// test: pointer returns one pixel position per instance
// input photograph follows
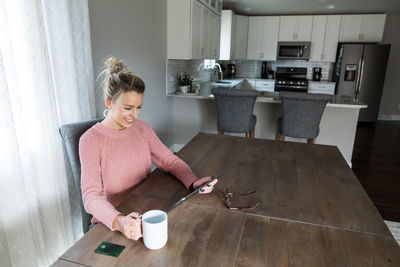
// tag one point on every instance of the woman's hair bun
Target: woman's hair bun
(113, 65)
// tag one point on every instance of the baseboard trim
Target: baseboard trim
(389, 117)
(176, 147)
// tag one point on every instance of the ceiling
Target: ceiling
(267, 7)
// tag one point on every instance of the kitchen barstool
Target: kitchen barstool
(302, 114)
(235, 110)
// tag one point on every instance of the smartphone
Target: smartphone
(109, 249)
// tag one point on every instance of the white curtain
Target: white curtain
(46, 79)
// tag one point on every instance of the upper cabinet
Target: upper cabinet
(234, 29)
(325, 38)
(193, 30)
(263, 38)
(227, 33)
(295, 28)
(214, 30)
(240, 37)
(362, 28)
(213, 5)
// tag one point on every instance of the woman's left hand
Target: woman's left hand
(208, 187)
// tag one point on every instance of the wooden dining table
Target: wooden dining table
(312, 211)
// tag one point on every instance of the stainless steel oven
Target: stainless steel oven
(291, 79)
(294, 50)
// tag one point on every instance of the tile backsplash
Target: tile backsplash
(244, 69)
(194, 67)
(252, 68)
(327, 67)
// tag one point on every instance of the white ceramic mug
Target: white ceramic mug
(155, 229)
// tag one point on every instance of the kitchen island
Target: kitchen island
(197, 113)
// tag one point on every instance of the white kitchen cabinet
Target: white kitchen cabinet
(227, 35)
(263, 38)
(295, 28)
(205, 2)
(192, 30)
(219, 7)
(255, 38)
(374, 25)
(213, 5)
(265, 85)
(196, 35)
(321, 88)
(325, 38)
(247, 84)
(240, 37)
(234, 32)
(205, 33)
(362, 28)
(214, 29)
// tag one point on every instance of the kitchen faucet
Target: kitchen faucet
(218, 75)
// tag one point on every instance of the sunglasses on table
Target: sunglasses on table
(229, 195)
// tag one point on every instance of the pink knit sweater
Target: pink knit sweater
(114, 161)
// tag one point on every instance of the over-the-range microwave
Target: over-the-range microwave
(294, 50)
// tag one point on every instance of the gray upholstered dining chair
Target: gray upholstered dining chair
(70, 134)
(235, 110)
(302, 113)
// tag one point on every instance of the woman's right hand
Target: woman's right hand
(130, 225)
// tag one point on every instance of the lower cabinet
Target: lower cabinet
(266, 85)
(247, 85)
(321, 88)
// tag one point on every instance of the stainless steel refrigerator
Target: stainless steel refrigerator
(360, 72)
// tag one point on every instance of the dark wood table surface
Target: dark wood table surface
(313, 212)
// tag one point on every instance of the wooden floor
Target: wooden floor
(376, 163)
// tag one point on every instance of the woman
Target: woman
(117, 153)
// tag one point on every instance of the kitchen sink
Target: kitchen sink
(224, 82)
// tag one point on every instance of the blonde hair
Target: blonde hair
(120, 80)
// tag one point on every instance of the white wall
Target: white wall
(135, 31)
(390, 102)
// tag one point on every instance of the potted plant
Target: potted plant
(184, 82)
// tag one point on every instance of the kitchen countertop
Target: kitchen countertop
(267, 97)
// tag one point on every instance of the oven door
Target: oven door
(294, 50)
(290, 88)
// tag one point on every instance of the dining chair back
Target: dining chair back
(70, 134)
(302, 113)
(235, 110)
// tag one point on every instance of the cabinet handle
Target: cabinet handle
(361, 36)
(202, 51)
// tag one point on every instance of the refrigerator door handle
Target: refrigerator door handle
(361, 76)
(356, 89)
